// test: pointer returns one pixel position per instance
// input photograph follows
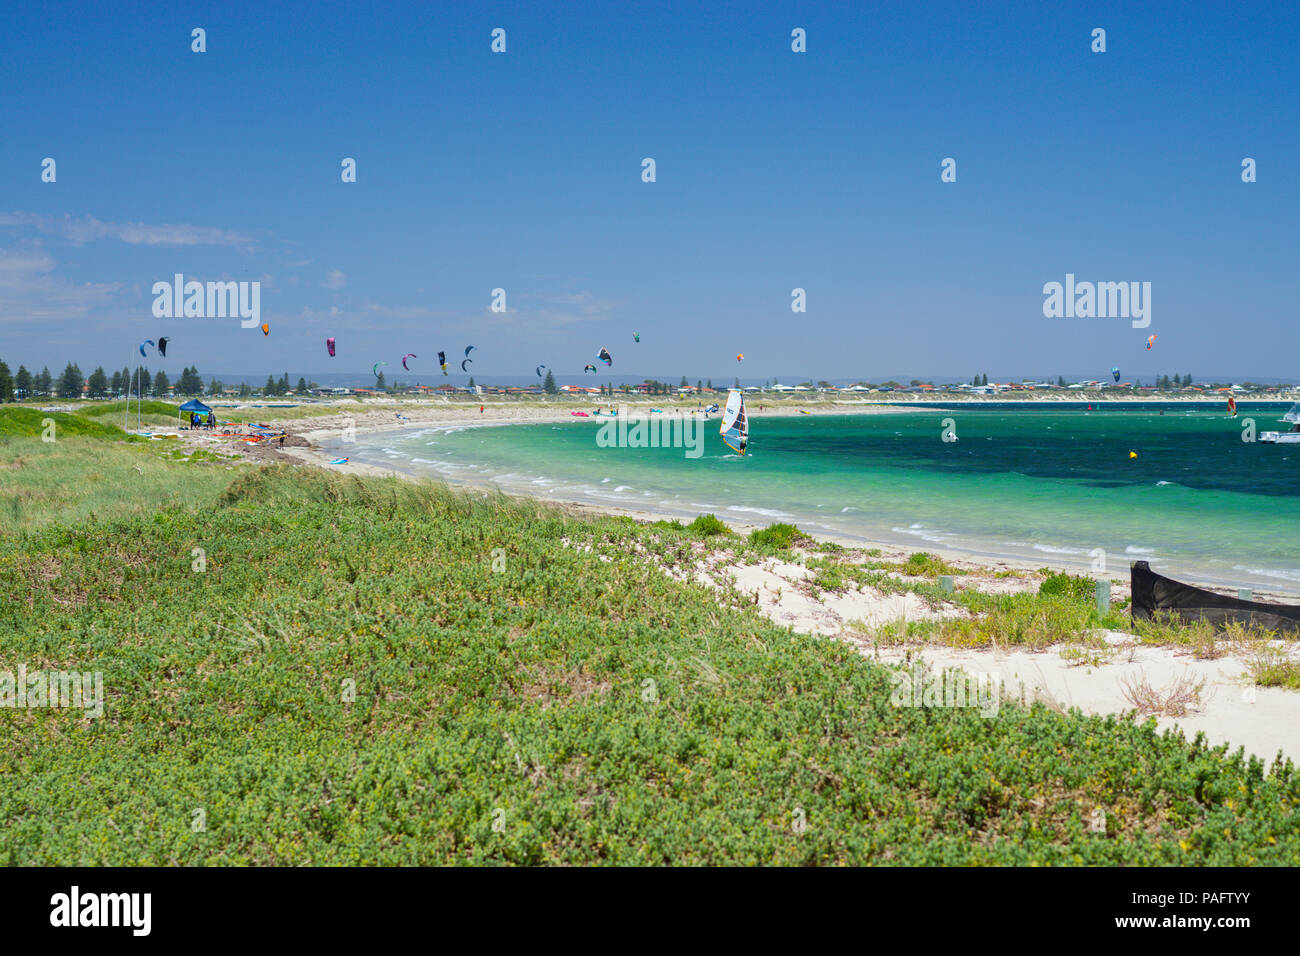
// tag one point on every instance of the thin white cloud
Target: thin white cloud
(335, 279)
(78, 232)
(30, 291)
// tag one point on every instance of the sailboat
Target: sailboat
(1285, 438)
(735, 423)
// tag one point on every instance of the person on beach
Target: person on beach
(480, 409)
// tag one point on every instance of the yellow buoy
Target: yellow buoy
(1132, 454)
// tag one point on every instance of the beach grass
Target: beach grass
(82, 478)
(367, 670)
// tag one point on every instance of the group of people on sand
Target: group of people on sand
(198, 420)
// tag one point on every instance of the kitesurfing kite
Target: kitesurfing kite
(1115, 372)
(1150, 342)
(407, 356)
(470, 348)
(144, 343)
(266, 328)
(375, 371)
(539, 370)
(329, 345)
(162, 345)
(589, 368)
(442, 360)
(605, 357)
(464, 363)
(740, 356)
(636, 336)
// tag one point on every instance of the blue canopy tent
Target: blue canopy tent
(195, 407)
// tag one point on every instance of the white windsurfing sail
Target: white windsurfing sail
(735, 423)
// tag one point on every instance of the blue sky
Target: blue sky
(775, 170)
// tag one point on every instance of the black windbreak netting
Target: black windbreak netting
(1155, 593)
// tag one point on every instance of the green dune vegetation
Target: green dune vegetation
(301, 667)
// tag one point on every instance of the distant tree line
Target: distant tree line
(73, 383)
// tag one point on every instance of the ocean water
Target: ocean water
(1025, 482)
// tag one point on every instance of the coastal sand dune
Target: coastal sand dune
(1228, 708)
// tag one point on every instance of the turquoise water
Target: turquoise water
(1019, 482)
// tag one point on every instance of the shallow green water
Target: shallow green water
(1055, 483)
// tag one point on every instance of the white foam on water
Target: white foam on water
(1053, 549)
(1134, 549)
(1280, 574)
(766, 512)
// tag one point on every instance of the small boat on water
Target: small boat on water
(1154, 593)
(1291, 437)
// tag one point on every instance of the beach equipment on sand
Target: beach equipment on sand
(339, 461)
(734, 428)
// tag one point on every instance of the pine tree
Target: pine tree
(471, 381)
(379, 382)
(115, 386)
(70, 382)
(282, 388)
(127, 381)
(98, 383)
(23, 383)
(302, 386)
(6, 384)
(269, 387)
(160, 383)
(549, 385)
(985, 379)
(44, 382)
